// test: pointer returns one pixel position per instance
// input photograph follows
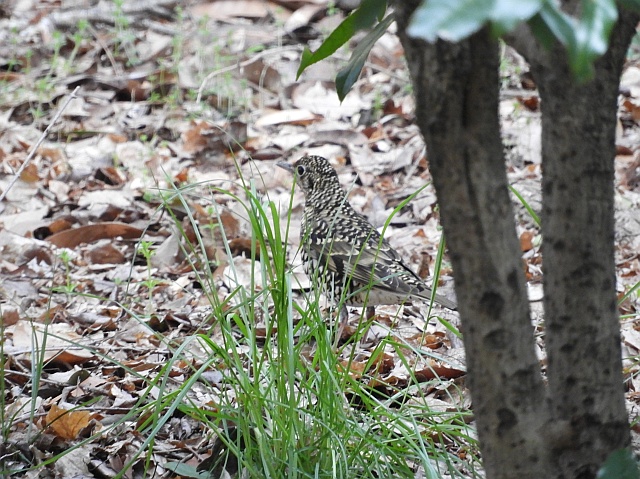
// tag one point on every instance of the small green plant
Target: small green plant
(43, 87)
(78, 37)
(287, 403)
(509, 69)
(59, 41)
(146, 250)
(633, 290)
(69, 286)
(28, 56)
(253, 49)
(291, 413)
(378, 105)
(527, 206)
(332, 8)
(177, 42)
(125, 38)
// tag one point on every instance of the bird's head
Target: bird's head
(313, 174)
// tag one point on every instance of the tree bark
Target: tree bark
(582, 329)
(457, 87)
(525, 429)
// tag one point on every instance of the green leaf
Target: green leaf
(362, 18)
(349, 74)
(619, 465)
(559, 23)
(541, 31)
(593, 31)
(633, 5)
(456, 20)
(449, 20)
(506, 14)
(586, 38)
(527, 206)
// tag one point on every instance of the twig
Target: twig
(239, 65)
(106, 14)
(105, 48)
(38, 143)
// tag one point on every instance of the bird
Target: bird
(343, 252)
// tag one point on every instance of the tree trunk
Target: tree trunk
(457, 88)
(525, 429)
(582, 329)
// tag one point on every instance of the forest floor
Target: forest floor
(133, 227)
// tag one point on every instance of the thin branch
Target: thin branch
(239, 65)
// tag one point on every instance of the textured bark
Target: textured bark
(581, 315)
(525, 429)
(457, 90)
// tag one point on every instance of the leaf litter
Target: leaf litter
(102, 258)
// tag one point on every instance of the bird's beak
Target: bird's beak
(286, 166)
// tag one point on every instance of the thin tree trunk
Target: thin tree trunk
(581, 315)
(457, 90)
(525, 430)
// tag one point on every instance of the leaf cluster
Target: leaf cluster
(585, 36)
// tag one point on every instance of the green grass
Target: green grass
(282, 404)
(290, 413)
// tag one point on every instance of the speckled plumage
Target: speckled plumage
(342, 248)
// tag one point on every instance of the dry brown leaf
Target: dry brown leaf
(433, 340)
(52, 154)
(62, 223)
(437, 370)
(531, 103)
(526, 240)
(201, 136)
(92, 233)
(205, 136)
(65, 424)
(60, 341)
(30, 174)
(240, 246)
(230, 224)
(105, 254)
(632, 107)
(262, 74)
(111, 176)
(356, 368)
(9, 316)
(383, 363)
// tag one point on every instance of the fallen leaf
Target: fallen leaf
(526, 240)
(67, 424)
(92, 233)
(294, 117)
(55, 343)
(30, 174)
(105, 254)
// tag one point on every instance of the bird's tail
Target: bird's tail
(441, 300)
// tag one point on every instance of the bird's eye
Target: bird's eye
(300, 170)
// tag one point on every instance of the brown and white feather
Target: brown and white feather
(344, 251)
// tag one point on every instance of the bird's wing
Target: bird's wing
(370, 260)
(376, 264)
(382, 268)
